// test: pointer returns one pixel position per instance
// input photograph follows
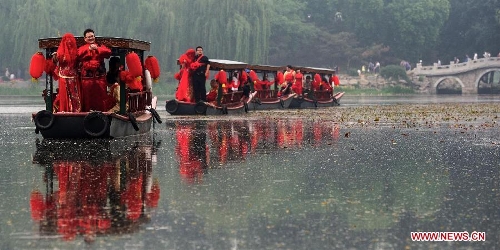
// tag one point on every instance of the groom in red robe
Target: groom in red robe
(93, 72)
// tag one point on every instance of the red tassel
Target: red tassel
(134, 64)
(50, 67)
(37, 65)
(133, 83)
(153, 66)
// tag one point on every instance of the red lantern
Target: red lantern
(253, 76)
(134, 64)
(280, 78)
(153, 66)
(221, 77)
(37, 65)
(317, 78)
(243, 77)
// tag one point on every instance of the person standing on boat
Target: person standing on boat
(297, 85)
(185, 89)
(68, 98)
(289, 77)
(200, 67)
(93, 72)
(334, 80)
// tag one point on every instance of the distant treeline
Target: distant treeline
(321, 33)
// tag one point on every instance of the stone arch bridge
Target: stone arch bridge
(468, 74)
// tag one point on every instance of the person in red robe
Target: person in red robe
(289, 77)
(316, 83)
(334, 80)
(66, 71)
(212, 94)
(297, 85)
(185, 89)
(93, 72)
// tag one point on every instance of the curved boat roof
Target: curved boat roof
(316, 70)
(270, 68)
(218, 64)
(110, 42)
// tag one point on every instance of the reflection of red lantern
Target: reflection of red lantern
(37, 65)
(37, 205)
(153, 66)
(153, 197)
(134, 64)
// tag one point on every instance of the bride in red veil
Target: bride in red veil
(185, 90)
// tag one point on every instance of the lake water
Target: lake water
(364, 175)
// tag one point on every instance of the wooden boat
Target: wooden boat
(136, 119)
(268, 99)
(318, 98)
(228, 103)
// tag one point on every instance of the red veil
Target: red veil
(69, 86)
(184, 90)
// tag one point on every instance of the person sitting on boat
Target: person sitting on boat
(214, 88)
(325, 86)
(316, 83)
(112, 100)
(246, 92)
(234, 84)
(334, 80)
(221, 79)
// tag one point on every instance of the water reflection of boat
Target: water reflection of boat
(94, 187)
(205, 145)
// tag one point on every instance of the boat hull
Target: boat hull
(305, 102)
(271, 103)
(103, 125)
(69, 125)
(176, 107)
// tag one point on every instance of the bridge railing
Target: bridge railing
(454, 68)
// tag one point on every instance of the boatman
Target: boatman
(200, 67)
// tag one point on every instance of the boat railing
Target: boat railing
(231, 97)
(138, 101)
